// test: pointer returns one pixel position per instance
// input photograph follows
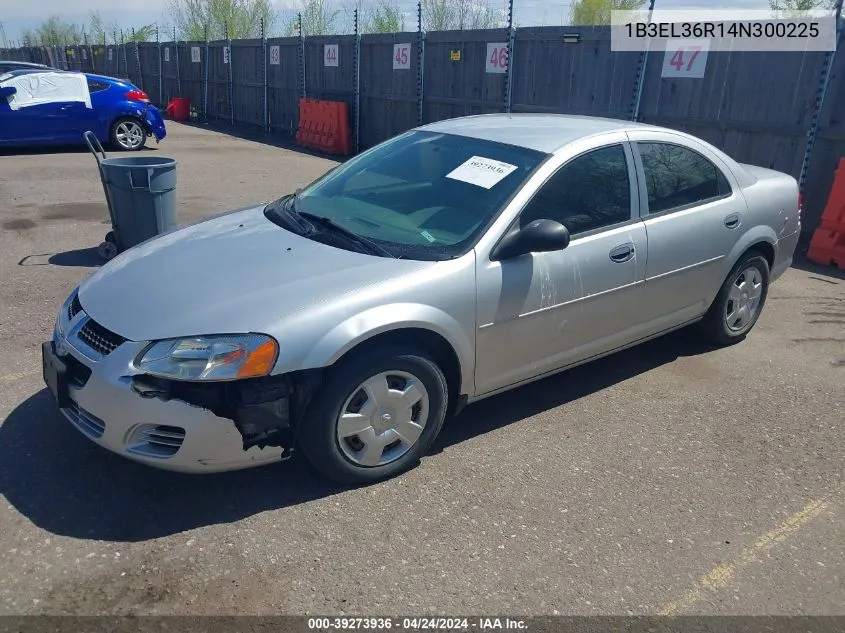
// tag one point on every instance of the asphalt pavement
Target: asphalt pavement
(670, 478)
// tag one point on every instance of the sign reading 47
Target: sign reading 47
(685, 58)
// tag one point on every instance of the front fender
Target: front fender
(365, 325)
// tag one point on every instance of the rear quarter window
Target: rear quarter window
(97, 86)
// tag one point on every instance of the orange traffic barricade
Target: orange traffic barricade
(827, 247)
(324, 126)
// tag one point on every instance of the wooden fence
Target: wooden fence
(758, 107)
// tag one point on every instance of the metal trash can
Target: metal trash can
(140, 194)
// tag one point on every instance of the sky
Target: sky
(17, 15)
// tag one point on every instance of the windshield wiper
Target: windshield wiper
(328, 223)
(285, 210)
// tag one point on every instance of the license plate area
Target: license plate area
(54, 372)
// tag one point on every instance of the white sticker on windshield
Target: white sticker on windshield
(480, 171)
(428, 236)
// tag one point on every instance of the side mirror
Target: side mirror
(540, 236)
(7, 91)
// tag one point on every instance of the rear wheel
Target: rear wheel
(376, 416)
(739, 302)
(128, 134)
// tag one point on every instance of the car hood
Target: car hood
(237, 272)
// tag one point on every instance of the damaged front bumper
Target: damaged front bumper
(179, 426)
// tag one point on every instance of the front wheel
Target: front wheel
(376, 416)
(128, 134)
(739, 302)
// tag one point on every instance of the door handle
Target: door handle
(732, 221)
(622, 253)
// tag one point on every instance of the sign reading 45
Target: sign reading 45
(685, 58)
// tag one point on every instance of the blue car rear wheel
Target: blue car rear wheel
(128, 134)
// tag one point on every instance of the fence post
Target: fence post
(264, 75)
(138, 61)
(125, 58)
(229, 77)
(205, 76)
(357, 121)
(176, 53)
(508, 71)
(813, 130)
(420, 64)
(641, 69)
(160, 69)
(302, 92)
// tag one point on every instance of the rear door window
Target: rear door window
(677, 177)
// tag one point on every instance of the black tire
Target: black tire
(110, 237)
(318, 435)
(115, 131)
(714, 326)
(107, 250)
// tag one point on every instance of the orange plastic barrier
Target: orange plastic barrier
(324, 126)
(828, 244)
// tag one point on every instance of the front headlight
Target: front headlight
(57, 328)
(58, 331)
(218, 357)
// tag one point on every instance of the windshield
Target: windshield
(422, 195)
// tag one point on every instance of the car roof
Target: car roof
(541, 132)
(107, 79)
(12, 62)
(29, 71)
(25, 71)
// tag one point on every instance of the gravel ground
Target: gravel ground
(666, 479)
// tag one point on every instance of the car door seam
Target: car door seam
(563, 304)
(686, 268)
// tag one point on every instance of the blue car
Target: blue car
(50, 107)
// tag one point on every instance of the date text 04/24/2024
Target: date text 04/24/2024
(751, 30)
(416, 624)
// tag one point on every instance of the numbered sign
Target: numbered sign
(275, 55)
(111, 53)
(84, 55)
(167, 53)
(196, 56)
(226, 54)
(330, 54)
(497, 57)
(685, 58)
(401, 57)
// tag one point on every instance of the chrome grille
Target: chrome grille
(157, 440)
(98, 338)
(74, 308)
(89, 425)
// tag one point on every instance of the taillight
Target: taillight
(137, 95)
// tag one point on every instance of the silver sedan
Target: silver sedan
(455, 261)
